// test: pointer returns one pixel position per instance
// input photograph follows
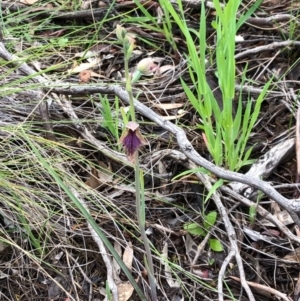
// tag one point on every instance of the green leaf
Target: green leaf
(62, 42)
(210, 220)
(215, 245)
(252, 214)
(191, 171)
(211, 261)
(194, 229)
(213, 189)
(107, 114)
(214, 24)
(250, 11)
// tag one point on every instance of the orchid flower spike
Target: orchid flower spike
(132, 140)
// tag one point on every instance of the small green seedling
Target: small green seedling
(110, 118)
(208, 223)
(252, 209)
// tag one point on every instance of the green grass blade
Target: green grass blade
(88, 217)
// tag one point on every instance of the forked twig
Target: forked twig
(292, 206)
(103, 252)
(234, 251)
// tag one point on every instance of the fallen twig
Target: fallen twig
(234, 251)
(265, 165)
(292, 206)
(103, 252)
(267, 47)
(265, 289)
(181, 158)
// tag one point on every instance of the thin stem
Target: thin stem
(128, 80)
(140, 211)
(139, 183)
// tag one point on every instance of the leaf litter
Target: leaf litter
(38, 219)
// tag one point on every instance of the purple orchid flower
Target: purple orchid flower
(132, 140)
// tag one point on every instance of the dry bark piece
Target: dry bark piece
(117, 268)
(282, 216)
(265, 165)
(265, 290)
(293, 256)
(57, 287)
(128, 256)
(125, 291)
(190, 248)
(167, 269)
(256, 236)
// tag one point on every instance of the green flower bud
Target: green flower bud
(145, 67)
(121, 33)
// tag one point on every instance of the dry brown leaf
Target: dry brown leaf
(86, 54)
(79, 142)
(203, 273)
(128, 256)
(118, 249)
(125, 291)
(283, 216)
(29, 2)
(174, 117)
(94, 74)
(168, 106)
(168, 271)
(165, 68)
(86, 4)
(104, 173)
(102, 4)
(84, 76)
(190, 247)
(144, 274)
(85, 66)
(93, 180)
(100, 176)
(293, 256)
(103, 48)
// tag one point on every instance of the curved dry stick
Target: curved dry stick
(234, 251)
(266, 289)
(105, 256)
(267, 47)
(292, 206)
(262, 212)
(258, 21)
(182, 159)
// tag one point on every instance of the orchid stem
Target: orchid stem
(139, 177)
(140, 210)
(128, 82)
